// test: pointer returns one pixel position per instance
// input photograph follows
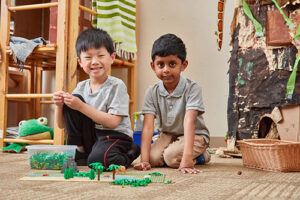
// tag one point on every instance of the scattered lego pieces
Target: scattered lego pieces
(210, 151)
(97, 166)
(133, 183)
(167, 182)
(155, 174)
(55, 175)
(122, 169)
(114, 168)
(69, 163)
(147, 176)
(92, 175)
(239, 172)
(69, 173)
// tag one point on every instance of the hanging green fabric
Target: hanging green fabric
(257, 25)
(288, 20)
(118, 18)
(292, 80)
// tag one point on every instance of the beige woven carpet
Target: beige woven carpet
(219, 180)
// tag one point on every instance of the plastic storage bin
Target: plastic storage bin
(137, 136)
(49, 156)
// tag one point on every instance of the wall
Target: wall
(195, 21)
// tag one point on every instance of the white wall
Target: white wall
(195, 21)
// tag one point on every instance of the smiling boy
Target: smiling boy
(96, 113)
(177, 104)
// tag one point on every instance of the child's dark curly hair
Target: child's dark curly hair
(169, 44)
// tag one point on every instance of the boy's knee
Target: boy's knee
(93, 158)
(156, 160)
(172, 158)
(172, 162)
(80, 97)
(67, 108)
(109, 159)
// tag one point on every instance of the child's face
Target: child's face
(96, 62)
(168, 69)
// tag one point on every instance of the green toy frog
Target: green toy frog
(34, 129)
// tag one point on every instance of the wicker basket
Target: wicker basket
(271, 155)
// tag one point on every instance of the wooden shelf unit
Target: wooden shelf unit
(40, 57)
(50, 57)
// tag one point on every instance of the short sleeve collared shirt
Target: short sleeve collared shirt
(111, 97)
(170, 109)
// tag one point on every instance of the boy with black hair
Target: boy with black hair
(177, 104)
(96, 113)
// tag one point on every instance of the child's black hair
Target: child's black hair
(93, 38)
(168, 44)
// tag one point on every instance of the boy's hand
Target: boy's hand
(58, 98)
(73, 102)
(142, 166)
(189, 170)
(188, 167)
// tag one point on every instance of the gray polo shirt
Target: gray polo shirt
(170, 109)
(112, 98)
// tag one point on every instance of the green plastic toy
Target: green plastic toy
(155, 174)
(113, 168)
(133, 183)
(98, 167)
(34, 129)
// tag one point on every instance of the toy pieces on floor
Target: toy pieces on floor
(69, 163)
(122, 169)
(133, 183)
(55, 175)
(34, 129)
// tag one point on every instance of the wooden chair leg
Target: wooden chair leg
(4, 39)
(31, 77)
(38, 88)
(61, 60)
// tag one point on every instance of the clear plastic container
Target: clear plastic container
(49, 156)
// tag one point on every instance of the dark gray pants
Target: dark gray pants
(105, 146)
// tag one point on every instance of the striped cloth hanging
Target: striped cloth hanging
(118, 18)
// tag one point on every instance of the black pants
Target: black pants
(105, 146)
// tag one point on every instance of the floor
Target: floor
(218, 180)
